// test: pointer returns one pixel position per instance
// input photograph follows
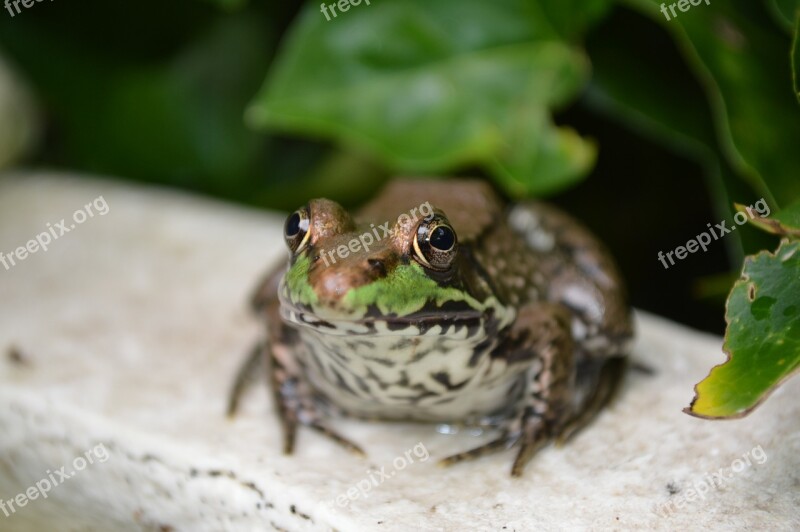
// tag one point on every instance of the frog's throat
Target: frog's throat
(450, 324)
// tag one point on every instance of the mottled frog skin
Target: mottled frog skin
(463, 310)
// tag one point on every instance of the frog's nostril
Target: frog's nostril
(377, 266)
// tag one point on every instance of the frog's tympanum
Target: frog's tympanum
(438, 302)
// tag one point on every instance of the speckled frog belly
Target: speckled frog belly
(435, 375)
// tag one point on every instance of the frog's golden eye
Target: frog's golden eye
(296, 230)
(435, 244)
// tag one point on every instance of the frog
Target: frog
(441, 302)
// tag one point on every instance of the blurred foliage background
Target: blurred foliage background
(645, 129)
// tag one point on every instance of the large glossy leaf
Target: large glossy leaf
(654, 92)
(428, 92)
(571, 18)
(173, 115)
(763, 336)
(796, 58)
(228, 4)
(739, 55)
(784, 11)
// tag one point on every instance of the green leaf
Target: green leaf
(173, 116)
(571, 18)
(796, 58)
(785, 223)
(784, 12)
(428, 92)
(228, 4)
(557, 157)
(656, 94)
(741, 60)
(762, 341)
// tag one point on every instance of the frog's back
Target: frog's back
(580, 274)
(471, 205)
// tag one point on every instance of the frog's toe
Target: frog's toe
(536, 433)
(526, 452)
(502, 443)
(289, 433)
(252, 366)
(335, 436)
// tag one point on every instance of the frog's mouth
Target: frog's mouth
(450, 318)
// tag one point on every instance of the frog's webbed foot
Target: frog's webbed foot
(504, 442)
(341, 440)
(536, 433)
(530, 433)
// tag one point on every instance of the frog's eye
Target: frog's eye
(435, 244)
(295, 230)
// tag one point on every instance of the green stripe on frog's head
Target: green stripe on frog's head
(405, 293)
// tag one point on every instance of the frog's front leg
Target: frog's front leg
(540, 340)
(293, 397)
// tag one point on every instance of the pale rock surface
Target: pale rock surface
(131, 326)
